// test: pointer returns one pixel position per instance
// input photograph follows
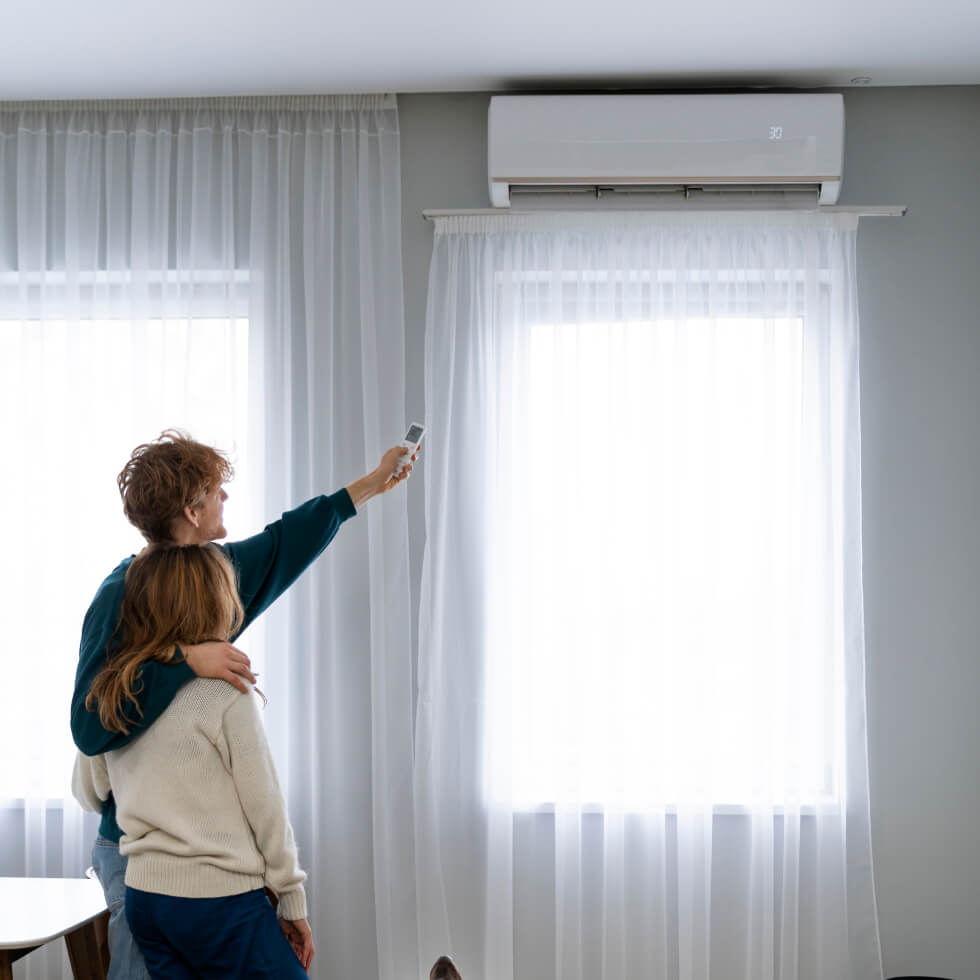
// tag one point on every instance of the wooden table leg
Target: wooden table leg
(102, 935)
(10, 956)
(84, 951)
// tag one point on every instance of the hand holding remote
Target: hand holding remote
(412, 443)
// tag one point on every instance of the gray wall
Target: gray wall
(920, 374)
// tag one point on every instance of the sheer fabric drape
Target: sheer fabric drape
(231, 266)
(641, 741)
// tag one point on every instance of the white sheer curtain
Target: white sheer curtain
(641, 744)
(338, 664)
(233, 267)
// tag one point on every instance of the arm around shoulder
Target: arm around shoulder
(159, 681)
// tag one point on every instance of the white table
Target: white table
(35, 911)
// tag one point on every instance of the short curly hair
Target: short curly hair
(165, 476)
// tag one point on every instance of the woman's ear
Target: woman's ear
(191, 514)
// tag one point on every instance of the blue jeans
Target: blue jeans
(219, 938)
(125, 958)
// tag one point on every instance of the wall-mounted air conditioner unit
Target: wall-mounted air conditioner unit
(687, 143)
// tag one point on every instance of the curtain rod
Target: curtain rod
(862, 210)
(348, 101)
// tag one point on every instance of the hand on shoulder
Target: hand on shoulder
(221, 660)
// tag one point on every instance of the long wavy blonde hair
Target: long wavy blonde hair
(174, 595)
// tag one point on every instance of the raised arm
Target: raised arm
(269, 562)
(387, 475)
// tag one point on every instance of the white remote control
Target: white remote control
(412, 441)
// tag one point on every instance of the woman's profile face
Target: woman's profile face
(210, 516)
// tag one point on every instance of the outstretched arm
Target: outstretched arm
(387, 475)
(269, 562)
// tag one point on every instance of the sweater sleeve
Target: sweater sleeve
(159, 682)
(90, 782)
(255, 779)
(269, 562)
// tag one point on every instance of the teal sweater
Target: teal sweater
(266, 565)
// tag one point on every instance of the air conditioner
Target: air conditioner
(692, 145)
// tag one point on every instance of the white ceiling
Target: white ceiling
(120, 49)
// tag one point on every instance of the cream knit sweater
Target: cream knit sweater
(198, 799)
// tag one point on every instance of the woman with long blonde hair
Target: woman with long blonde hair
(197, 797)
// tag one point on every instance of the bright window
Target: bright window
(658, 651)
(76, 399)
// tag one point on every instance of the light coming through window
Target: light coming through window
(649, 646)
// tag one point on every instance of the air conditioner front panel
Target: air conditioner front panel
(753, 139)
